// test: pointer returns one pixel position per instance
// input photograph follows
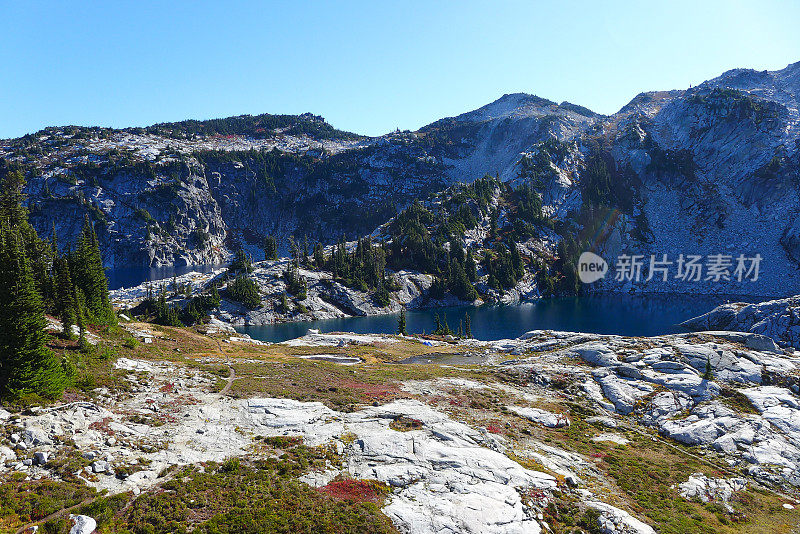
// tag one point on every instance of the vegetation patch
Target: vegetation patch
(254, 497)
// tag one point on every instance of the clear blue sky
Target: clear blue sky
(368, 66)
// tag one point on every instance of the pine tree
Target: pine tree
(516, 261)
(467, 326)
(90, 277)
(64, 301)
(241, 262)
(401, 323)
(319, 257)
(446, 327)
(709, 371)
(469, 267)
(270, 248)
(305, 251)
(294, 251)
(26, 364)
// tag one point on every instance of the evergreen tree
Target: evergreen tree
(90, 277)
(305, 251)
(446, 327)
(469, 267)
(708, 374)
(467, 326)
(26, 364)
(64, 301)
(13, 214)
(165, 314)
(382, 296)
(241, 262)
(294, 251)
(516, 261)
(319, 256)
(401, 323)
(270, 248)
(244, 290)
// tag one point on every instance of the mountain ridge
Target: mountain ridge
(188, 192)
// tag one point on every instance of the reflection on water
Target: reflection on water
(629, 315)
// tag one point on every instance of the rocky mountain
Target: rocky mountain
(709, 171)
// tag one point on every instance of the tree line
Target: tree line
(36, 278)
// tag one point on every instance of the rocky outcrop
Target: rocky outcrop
(325, 297)
(448, 472)
(777, 319)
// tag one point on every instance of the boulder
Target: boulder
(100, 466)
(543, 417)
(82, 524)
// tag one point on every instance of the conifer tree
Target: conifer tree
(27, 365)
(516, 261)
(64, 301)
(467, 326)
(270, 248)
(469, 267)
(446, 327)
(90, 276)
(401, 323)
(319, 256)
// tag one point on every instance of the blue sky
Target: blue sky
(368, 67)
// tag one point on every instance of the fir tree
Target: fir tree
(516, 261)
(270, 248)
(26, 364)
(401, 323)
(467, 326)
(294, 251)
(709, 371)
(319, 256)
(64, 291)
(90, 276)
(470, 268)
(446, 327)
(382, 296)
(241, 262)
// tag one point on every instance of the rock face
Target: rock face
(662, 383)
(706, 489)
(777, 319)
(712, 170)
(325, 298)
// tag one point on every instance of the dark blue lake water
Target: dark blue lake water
(627, 315)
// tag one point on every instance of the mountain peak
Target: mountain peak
(523, 105)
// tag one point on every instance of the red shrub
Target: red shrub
(372, 391)
(355, 490)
